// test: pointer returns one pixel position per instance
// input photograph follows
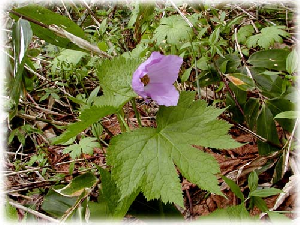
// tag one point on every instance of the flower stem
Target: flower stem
(196, 70)
(197, 80)
(137, 114)
(124, 126)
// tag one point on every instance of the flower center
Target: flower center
(145, 80)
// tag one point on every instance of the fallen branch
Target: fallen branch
(65, 34)
(33, 212)
(25, 116)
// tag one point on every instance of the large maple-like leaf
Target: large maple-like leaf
(145, 157)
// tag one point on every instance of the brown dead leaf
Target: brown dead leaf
(246, 150)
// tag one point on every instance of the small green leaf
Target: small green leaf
(102, 46)
(251, 109)
(243, 33)
(253, 181)
(277, 216)
(11, 213)
(186, 74)
(232, 214)
(202, 63)
(266, 128)
(265, 192)
(233, 62)
(260, 203)
(55, 204)
(292, 61)
(267, 37)
(66, 58)
(174, 29)
(279, 105)
(78, 184)
(234, 188)
(274, 59)
(88, 144)
(85, 145)
(288, 115)
(214, 37)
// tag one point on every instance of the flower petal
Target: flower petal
(162, 72)
(163, 94)
(137, 85)
(166, 70)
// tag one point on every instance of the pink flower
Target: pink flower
(154, 78)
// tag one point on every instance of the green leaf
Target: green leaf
(288, 115)
(202, 63)
(260, 203)
(267, 37)
(214, 37)
(55, 204)
(11, 213)
(85, 145)
(78, 185)
(87, 117)
(279, 105)
(145, 157)
(277, 216)
(48, 17)
(253, 181)
(111, 195)
(292, 61)
(115, 76)
(88, 144)
(234, 188)
(241, 97)
(233, 62)
(186, 74)
(274, 59)
(267, 129)
(67, 56)
(22, 35)
(265, 192)
(243, 33)
(251, 109)
(232, 214)
(174, 29)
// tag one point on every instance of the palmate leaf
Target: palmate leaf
(173, 29)
(145, 158)
(267, 37)
(86, 146)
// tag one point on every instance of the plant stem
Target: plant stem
(122, 122)
(229, 89)
(161, 209)
(137, 114)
